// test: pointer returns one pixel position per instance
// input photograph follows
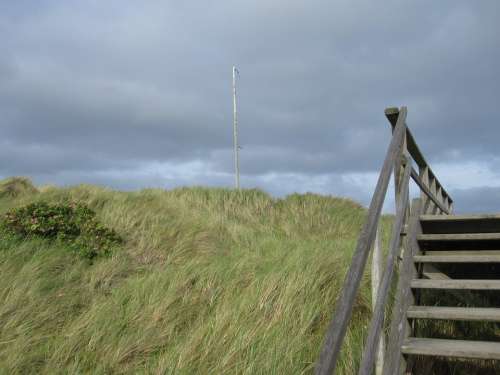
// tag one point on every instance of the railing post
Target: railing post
(377, 321)
(424, 175)
(401, 160)
(398, 172)
(440, 197)
(407, 158)
(376, 274)
(432, 187)
(398, 167)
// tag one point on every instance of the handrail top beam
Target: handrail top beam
(392, 115)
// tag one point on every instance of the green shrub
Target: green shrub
(73, 224)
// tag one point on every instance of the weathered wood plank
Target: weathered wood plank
(462, 252)
(440, 197)
(377, 321)
(463, 224)
(392, 115)
(433, 189)
(404, 294)
(457, 258)
(459, 237)
(486, 314)
(450, 205)
(423, 183)
(431, 272)
(377, 270)
(428, 192)
(466, 217)
(452, 348)
(338, 326)
(456, 284)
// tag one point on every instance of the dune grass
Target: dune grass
(209, 281)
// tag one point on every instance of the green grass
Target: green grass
(209, 281)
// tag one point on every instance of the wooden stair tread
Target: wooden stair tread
(460, 223)
(451, 348)
(465, 217)
(462, 252)
(459, 237)
(489, 314)
(456, 284)
(477, 258)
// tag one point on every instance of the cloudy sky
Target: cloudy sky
(134, 94)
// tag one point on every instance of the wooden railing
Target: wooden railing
(401, 154)
(435, 197)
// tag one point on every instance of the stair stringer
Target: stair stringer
(394, 361)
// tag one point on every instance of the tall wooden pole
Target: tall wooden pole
(235, 134)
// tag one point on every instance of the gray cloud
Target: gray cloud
(477, 200)
(95, 87)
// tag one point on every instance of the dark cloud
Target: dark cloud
(477, 200)
(94, 87)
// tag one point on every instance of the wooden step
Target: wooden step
(456, 284)
(451, 348)
(459, 241)
(462, 252)
(485, 314)
(478, 258)
(459, 237)
(460, 223)
(455, 218)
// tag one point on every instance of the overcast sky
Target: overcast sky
(134, 94)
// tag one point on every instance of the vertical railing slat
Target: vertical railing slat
(376, 274)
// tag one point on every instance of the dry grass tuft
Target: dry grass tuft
(14, 187)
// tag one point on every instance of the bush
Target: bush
(73, 224)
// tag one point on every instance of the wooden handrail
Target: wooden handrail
(392, 115)
(425, 189)
(402, 150)
(338, 326)
(368, 358)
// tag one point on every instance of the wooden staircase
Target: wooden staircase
(457, 254)
(448, 267)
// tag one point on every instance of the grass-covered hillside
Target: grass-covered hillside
(205, 281)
